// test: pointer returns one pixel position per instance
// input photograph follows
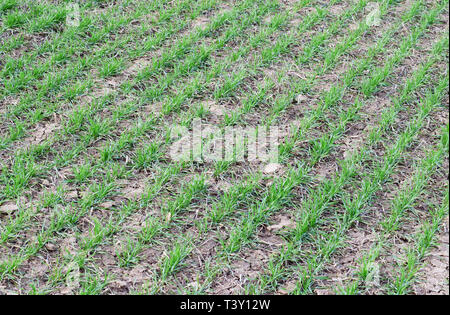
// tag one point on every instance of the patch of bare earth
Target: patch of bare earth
(434, 276)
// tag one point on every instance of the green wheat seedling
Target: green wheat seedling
(408, 268)
(319, 146)
(88, 121)
(7, 5)
(173, 260)
(90, 137)
(319, 40)
(114, 23)
(328, 243)
(321, 198)
(84, 64)
(400, 205)
(92, 283)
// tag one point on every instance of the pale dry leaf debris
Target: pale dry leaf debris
(295, 22)
(223, 185)
(51, 247)
(374, 16)
(69, 245)
(107, 204)
(200, 22)
(301, 98)
(133, 193)
(195, 285)
(323, 292)
(8, 208)
(168, 217)
(352, 145)
(66, 291)
(137, 66)
(287, 288)
(272, 168)
(285, 222)
(214, 109)
(43, 133)
(72, 194)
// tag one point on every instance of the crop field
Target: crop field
(350, 195)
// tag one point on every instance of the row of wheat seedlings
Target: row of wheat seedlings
(219, 212)
(327, 243)
(398, 210)
(85, 170)
(27, 71)
(331, 98)
(24, 161)
(44, 101)
(408, 267)
(93, 197)
(221, 208)
(323, 196)
(174, 206)
(133, 248)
